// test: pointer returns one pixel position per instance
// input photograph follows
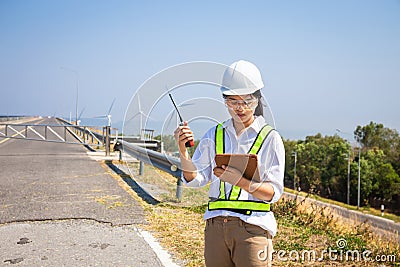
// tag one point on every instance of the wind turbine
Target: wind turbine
(141, 114)
(79, 117)
(108, 115)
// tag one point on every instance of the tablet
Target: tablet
(245, 163)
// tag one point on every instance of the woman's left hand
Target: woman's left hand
(228, 174)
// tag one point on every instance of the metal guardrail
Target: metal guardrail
(12, 118)
(152, 144)
(84, 131)
(49, 133)
(57, 133)
(113, 138)
(159, 160)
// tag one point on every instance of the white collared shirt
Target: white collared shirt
(271, 164)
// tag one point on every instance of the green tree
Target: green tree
(383, 175)
(169, 142)
(321, 165)
(290, 148)
(375, 135)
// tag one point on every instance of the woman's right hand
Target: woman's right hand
(182, 135)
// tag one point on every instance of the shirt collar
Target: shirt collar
(257, 124)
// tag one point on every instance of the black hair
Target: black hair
(259, 109)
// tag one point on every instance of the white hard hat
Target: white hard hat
(241, 78)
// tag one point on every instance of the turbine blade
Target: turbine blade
(112, 104)
(134, 116)
(147, 116)
(80, 114)
(140, 107)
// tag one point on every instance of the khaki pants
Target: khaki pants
(231, 242)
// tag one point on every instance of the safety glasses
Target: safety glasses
(247, 103)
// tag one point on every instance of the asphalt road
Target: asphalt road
(60, 208)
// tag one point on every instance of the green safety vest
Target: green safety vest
(233, 203)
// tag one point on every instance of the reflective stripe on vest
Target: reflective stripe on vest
(220, 149)
(233, 203)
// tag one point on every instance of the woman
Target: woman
(239, 223)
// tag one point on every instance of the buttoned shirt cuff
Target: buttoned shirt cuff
(277, 194)
(192, 183)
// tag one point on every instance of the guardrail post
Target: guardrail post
(179, 189)
(118, 147)
(107, 140)
(103, 135)
(159, 160)
(141, 168)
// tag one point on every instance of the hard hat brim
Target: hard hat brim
(240, 91)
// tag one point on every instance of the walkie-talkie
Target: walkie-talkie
(188, 143)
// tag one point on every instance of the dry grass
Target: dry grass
(179, 230)
(305, 228)
(110, 202)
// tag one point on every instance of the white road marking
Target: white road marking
(163, 255)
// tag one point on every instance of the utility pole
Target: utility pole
(358, 137)
(294, 154)
(348, 178)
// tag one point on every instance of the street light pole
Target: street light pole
(359, 178)
(359, 171)
(294, 153)
(358, 137)
(77, 91)
(76, 101)
(348, 178)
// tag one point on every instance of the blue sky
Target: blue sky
(325, 64)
